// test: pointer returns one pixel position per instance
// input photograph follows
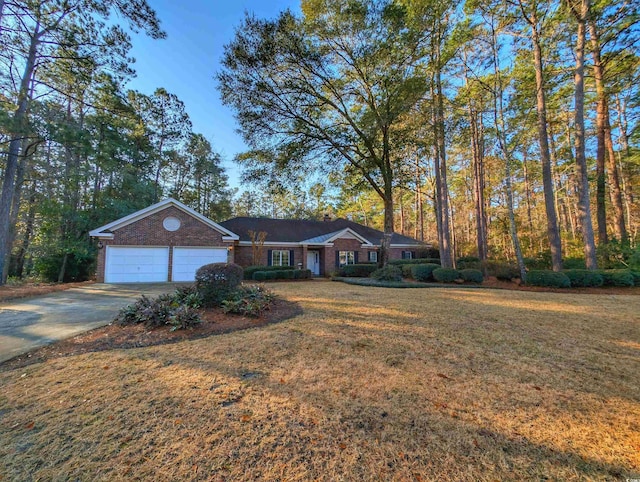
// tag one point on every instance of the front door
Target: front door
(313, 262)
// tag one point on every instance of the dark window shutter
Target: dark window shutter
(355, 257)
(270, 257)
(291, 258)
(337, 259)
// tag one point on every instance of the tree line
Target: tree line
(79, 149)
(498, 129)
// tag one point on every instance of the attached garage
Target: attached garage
(125, 264)
(187, 260)
(167, 241)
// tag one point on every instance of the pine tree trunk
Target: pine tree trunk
(553, 233)
(584, 207)
(441, 176)
(15, 145)
(605, 144)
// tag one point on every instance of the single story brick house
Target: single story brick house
(169, 241)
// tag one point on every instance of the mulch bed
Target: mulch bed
(112, 337)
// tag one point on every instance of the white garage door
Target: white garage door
(136, 265)
(186, 261)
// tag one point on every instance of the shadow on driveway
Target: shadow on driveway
(32, 322)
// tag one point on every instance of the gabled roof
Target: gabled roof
(106, 231)
(304, 231)
(329, 237)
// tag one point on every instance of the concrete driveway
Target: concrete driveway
(35, 321)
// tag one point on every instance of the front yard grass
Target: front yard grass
(367, 384)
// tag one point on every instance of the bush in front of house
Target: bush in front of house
(414, 261)
(583, 278)
(215, 282)
(423, 272)
(547, 278)
(469, 262)
(502, 270)
(388, 273)
(251, 300)
(406, 270)
(471, 275)
(362, 270)
(617, 277)
(446, 275)
(249, 270)
(574, 263)
(282, 274)
(155, 312)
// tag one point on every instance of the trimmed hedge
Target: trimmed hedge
(214, 282)
(388, 273)
(446, 275)
(249, 270)
(423, 272)
(414, 261)
(472, 275)
(617, 277)
(583, 278)
(554, 279)
(282, 274)
(357, 270)
(574, 263)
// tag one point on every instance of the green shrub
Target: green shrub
(388, 273)
(554, 279)
(271, 274)
(248, 301)
(471, 275)
(183, 317)
(423, 272)
(636, 277)
(287, 274)
(414, 261)
(249, 270)
(574, 263)
(259, 275)
(188, 296)
(305, 274)
(583, 278)
(406, 270)
(214, 282)
(446, 275)
(541, 262)
(357, 270)
(160, 311)
(502, 270)
(617, 277)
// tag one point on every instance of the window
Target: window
(407, 255)
(280, 258)
(346, 257)
(373, 256)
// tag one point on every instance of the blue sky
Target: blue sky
(187, 60)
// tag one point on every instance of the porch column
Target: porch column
(304, 256)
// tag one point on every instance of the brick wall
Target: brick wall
(149, 231)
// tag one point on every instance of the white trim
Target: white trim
(131, 218)
(339, 234)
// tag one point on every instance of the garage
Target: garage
(187, 260)
(126, 264)
(167, 241)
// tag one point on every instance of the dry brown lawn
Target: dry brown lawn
(366, 384)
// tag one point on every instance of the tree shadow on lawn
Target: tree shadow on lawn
(114, 337)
